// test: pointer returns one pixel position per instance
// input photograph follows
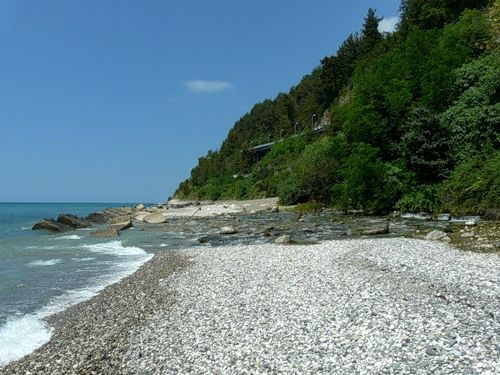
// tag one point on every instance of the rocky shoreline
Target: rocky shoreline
(168, 317)
(389, 305)
(92, 337)
(466, 232)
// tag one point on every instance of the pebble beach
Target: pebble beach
(364, 306)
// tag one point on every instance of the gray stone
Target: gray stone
(98, 217)
(118, 219)
(376, 231)
(284, 240)
(437, 235)
(155, 218)
(418, 216)
(432, 351)
(73, 221)
(51, 225)
(107, 232)
(471, 223)
(139, 207)
(228, 230)
(443, 217)
(123, 226)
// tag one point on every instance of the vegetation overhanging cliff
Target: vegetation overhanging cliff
(408, 120)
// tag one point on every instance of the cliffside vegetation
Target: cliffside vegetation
(410, 120)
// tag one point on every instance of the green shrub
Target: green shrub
(423, 199)
(316, 171)
(473, 186)
(364, 180)
(290, 192)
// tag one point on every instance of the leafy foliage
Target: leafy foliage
(426, 146)
(473, 185)
(474, 118)
(363, 183)
(316, 170)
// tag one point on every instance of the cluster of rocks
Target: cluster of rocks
(63, 223)
(114, 220)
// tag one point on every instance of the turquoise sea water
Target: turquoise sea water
(43, 273)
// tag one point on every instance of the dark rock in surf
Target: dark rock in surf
(73, 221)
(98, 217)
(51, 225)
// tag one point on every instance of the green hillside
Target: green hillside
(408, 120)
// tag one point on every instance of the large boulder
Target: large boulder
(123, 226)
(140, 216)
(98, 217)
(155, 218)
(139, 207)
(437, 235)
(73, 221)
(51, 225)
(228, 230)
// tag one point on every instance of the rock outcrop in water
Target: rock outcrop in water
(51, 225)
(120, 218)
(74, 221)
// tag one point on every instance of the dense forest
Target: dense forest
(410, 120)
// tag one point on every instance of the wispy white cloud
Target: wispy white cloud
(388, 25)
(207, 86)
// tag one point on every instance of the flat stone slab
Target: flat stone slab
(155, 218)
(104, 233)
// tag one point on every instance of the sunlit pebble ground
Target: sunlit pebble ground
(350, 306)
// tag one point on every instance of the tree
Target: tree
(370, 34)
(426, 146)
(316, 171)
(430, 14)
(473, 119)
(363, 175)
(336, 71)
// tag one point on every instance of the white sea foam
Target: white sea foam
(19, 336)
(43, 263)
(114, 248)
(70, 237)
(82, 259)
(42, 247)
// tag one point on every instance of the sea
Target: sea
(43, 273)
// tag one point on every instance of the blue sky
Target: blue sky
(114, 101)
